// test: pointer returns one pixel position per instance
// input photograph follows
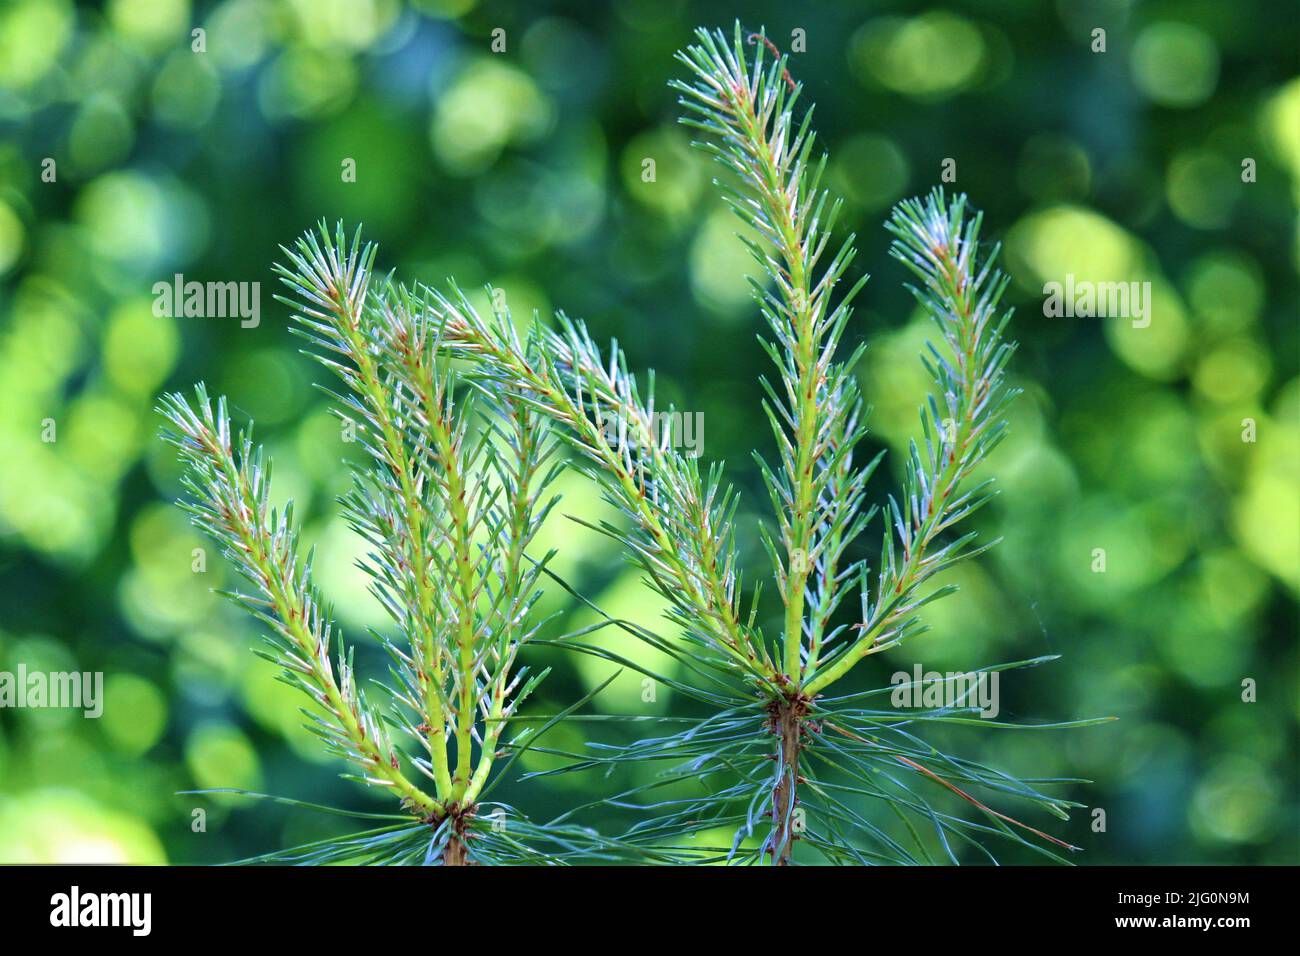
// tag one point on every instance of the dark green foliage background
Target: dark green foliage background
(523, 170)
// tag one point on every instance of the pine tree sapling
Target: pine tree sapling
(448, 504)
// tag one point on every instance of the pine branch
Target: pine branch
(493, 588)
(962, 422)
(748, 114)
(231, 502)
(450, 504)
(436, 492)
(331, 279)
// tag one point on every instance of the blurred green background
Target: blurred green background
(523, 170)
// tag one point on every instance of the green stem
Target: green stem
(395, 449)
(799, 541)
(444, 446)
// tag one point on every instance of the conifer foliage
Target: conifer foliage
(448, 505)
(454, 492)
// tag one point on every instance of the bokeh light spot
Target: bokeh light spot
(931, 56)
(1175, 64)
